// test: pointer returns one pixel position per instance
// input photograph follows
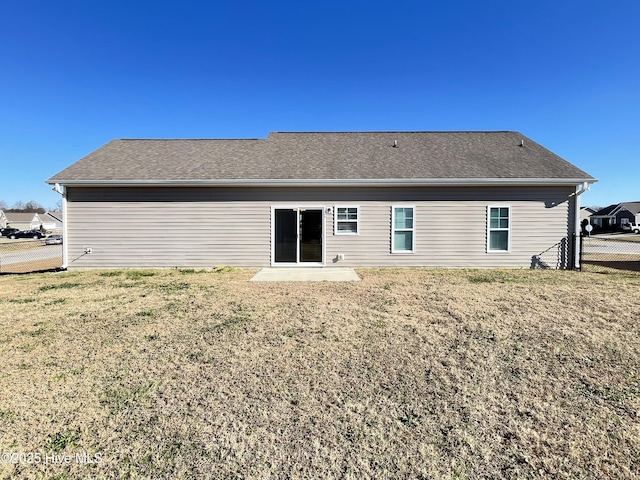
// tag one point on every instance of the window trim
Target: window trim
(394, 230)
(336, 221)
(508, 229)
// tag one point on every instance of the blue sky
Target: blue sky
(77, 74)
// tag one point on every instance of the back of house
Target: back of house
(360, 199)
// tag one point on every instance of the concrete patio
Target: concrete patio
(306, 274)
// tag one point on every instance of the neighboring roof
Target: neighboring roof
(21, 217)
(611, 210)
(606, 211)
(633, 207)
(341, 157)
(588, 209)
(57, 216)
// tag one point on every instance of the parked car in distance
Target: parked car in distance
(634, 227)
(26, 234)
(5, 232)
(53, 240)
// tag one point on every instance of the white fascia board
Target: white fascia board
(297, 182)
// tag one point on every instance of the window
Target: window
(498, 229)
(347, 221)
(403, 230)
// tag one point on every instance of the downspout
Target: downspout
(63, 192)
(580, 189)
(65, 243)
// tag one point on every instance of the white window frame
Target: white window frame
(394, 230)
(498, 229)
(336, 221)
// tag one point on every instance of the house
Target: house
(20, 220)
(585, 213)
(615, 216)
(379, 199)
(48, 221)
(52, 222)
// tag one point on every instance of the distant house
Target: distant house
(585, 213)
(431, 199)
(20, 220)
(49, 221)
(52, 221)
(615, 216)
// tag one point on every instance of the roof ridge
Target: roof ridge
(184, 139)
(399, 131)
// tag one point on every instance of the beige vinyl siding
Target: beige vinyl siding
(175, 229)
(168, 235)
(205, 227)
(454, 234)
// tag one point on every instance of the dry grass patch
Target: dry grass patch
(408, 373)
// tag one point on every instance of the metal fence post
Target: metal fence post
(572, 252)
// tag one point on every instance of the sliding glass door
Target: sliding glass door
(298, 235)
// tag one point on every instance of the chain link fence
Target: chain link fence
(598, 253)
(25, 256)
(610, 252)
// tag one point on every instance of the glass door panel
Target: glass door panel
(286, 236)
(311, 236)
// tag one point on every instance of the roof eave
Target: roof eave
(297, 182)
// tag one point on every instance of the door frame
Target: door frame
(298, 263)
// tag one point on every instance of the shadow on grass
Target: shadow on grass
(21, 272)
(603, 265)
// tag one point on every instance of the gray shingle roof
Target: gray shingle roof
(325, 157)
(633, 207)
(20, 217)
(606, 210)
(614, 209)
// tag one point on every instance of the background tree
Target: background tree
(21, 207)
(17, 206)
(32, 206)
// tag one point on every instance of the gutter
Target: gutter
(297, 182)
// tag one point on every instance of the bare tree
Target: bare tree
(29, 207)
(32, 206)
